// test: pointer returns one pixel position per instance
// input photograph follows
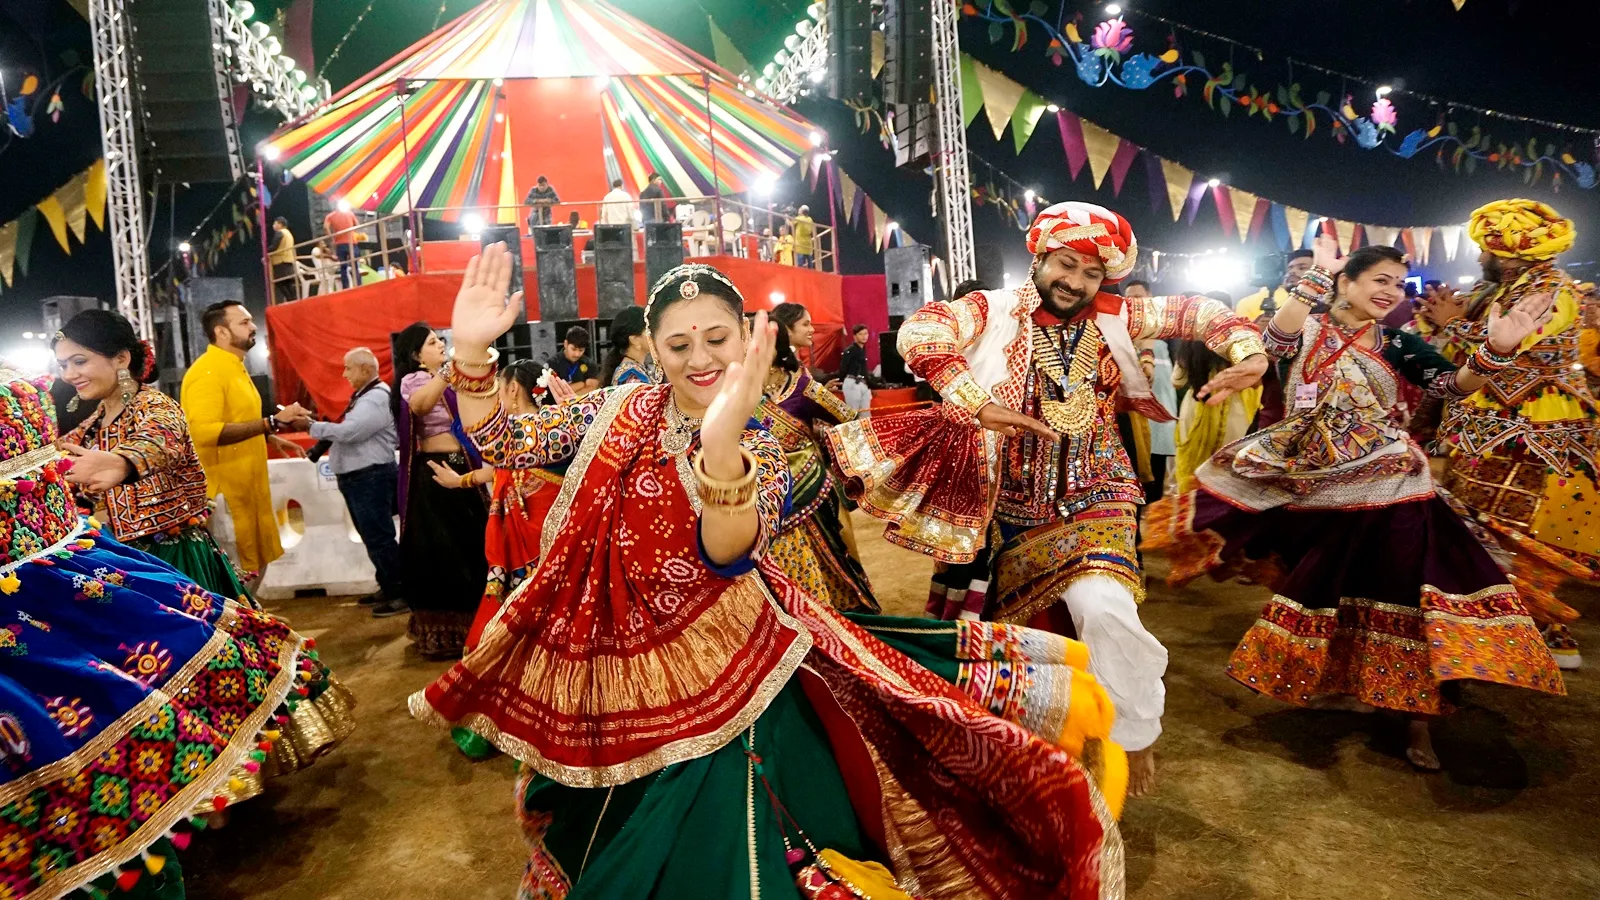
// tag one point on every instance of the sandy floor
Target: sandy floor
(1256, 800)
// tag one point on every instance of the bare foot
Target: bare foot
(1419, 746)
(1339, 702)
(1141, 772)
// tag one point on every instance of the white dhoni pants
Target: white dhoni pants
(1123, 656)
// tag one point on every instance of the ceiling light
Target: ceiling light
(818, 74)
(245, 9)
(260, 29)
(472, 223)
(1053, 108)
(791, 43)
(1028, 195)
(814, 10)
(269, 152)
(804, 28)
(1113, 9)
(183, 247)
(1213, 182)
(770, 69)
(816, 139)
(1384, 90)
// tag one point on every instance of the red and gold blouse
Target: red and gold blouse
(167, 491)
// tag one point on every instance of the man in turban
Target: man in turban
(1022, 470)
(1521, 452)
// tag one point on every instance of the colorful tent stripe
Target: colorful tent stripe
(453, 122)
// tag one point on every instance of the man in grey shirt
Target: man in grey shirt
(363, 446)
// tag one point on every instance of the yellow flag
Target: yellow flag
(1297, 220)
(8, 250)
(1346, 232)
(847, 195)
(94, 193)
(1244, 209)
(72, 200)
(1179, 183)
(1102, 146)
(51, 209)
(1000, 97)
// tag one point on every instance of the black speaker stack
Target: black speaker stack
(513, 241)
(849, 49)
(908, 51)
(613, 267)
(558, 275)
(908, 272)
(663, 250)
(176, 47)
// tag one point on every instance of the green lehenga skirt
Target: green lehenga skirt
(193, 552)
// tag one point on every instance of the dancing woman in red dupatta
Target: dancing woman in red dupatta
(694, 725)
(1382, 596)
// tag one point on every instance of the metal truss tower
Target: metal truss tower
(108, 23)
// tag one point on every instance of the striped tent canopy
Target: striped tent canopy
(467, 118)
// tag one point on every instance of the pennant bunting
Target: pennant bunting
(725, 53)
(1102, 146)
(1179, 181)
(1000, 96)
(94, 193)
(1451, 235)
(1191, 205)
(1224, 203)
(879, 53)
(1072, 141)
(1026, 118)
(1386, 235)
(1157, 179)
(971, 93)
(1408, 242)
(1296, 221)
(27, 227)
(1258, 219)
(1243, 210)
(50, 207)
(76, 209)
(880, 225)
(1346, 232)
(1127, 152)
(1424, 243)
(1280, 227)
(1358, 238)
(847, 194)
(8, 250)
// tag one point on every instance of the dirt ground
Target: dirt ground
(1256, 800)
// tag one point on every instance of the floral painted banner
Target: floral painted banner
(1107, 58)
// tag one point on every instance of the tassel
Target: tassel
(236, 785)
(271, 736)
(180, 839)
(64, 466)
(252, 767)
(26, 485)
(219, 803)
(198, 823)
(259, 756)
(128, 880)
(154, 862)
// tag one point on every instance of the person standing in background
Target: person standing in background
(805, 238)
(853, 371)
(231, 436)
(1156, 441)
(340, 225)
(363, 446)
(541, 198)
(652, 205)
(282, 259)
(573, 365)
(616, 207)
(785, 246)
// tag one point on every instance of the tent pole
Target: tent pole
(716, 184)
(403, 91)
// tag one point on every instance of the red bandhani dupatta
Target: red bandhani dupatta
(623, 653)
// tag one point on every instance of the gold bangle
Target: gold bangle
(726, 496)
(466, 480)
(494, 357)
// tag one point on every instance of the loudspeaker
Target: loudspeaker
(910, 278)
(850, 49)
(891, 367)
(543, 341)
(177, 52)
(558, 277)
(663, 250)
(613, 267)
(516, 343)
(908, 51)
(513, 240)
(58, 310)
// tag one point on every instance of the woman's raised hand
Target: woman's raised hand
(482, 311)
(740, 394)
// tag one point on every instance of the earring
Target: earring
(72, 404)
(127, 385)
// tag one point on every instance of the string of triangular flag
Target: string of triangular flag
(67, 211)
(848, 197)
(1175, 188)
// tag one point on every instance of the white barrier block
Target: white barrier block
(321, 548)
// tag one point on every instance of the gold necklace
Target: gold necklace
(1074, 414)
(678, 430)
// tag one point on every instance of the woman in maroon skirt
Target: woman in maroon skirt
(1382, 596)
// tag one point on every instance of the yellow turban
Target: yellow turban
(1521, 229)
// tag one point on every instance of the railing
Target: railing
(395, 245)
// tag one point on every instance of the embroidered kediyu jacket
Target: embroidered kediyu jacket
(939, 480)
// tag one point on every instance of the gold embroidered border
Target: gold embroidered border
(580, 464)
(655, 760)
(182, 804)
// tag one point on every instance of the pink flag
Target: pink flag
(1154, 174)
(1126, 153)
(1072, 140)
(1259, 218)
(1225, 210)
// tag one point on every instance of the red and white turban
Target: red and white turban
(1086, 228)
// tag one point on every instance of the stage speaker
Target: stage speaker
(908, 51)
(613, 267)
(850, 49)
(57, 310)
(513, 240)
(516, 343)
(663, 250)
(1267, 271)
(891, 367)
(558, 276)
(176, 48)
(910, 278)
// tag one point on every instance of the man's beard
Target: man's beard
(245, 345)
(1491, 269)
(1075, 304)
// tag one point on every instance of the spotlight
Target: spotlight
(1028, 195)
(781, 57)
(817, 75)
(1113, 9)
(1217, 273)
(299, 76)
(892, 225)
(472, 223)
(245, 9)
(766, 184)
(342, 205)
(260, 29)
(814, 10)
(804, 28)
(307, 92)
(269, 152)
(776, 297)
(184, 247)
(769, 70)
(816, 139)
(1384, 90)
(791, 43)
(27, 335)
(1213, 182)
(270, 42)
(1053, 108)
(288, 62)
